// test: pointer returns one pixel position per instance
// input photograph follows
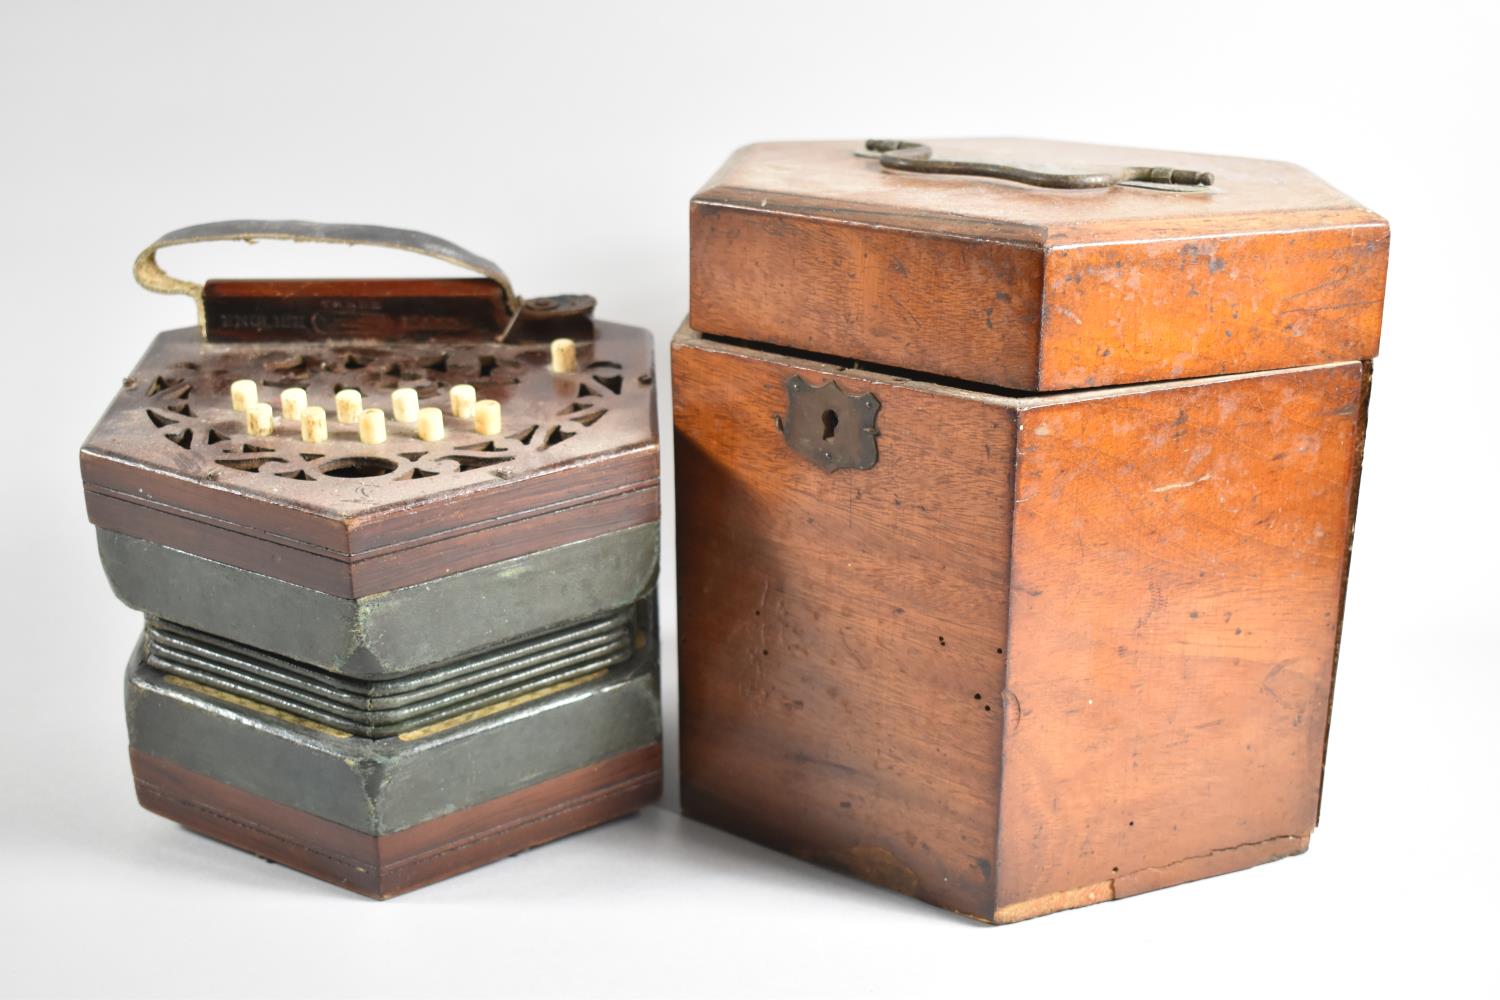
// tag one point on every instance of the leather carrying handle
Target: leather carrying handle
(149, 274)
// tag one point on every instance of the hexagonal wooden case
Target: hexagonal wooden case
(386, 661)
(1014, 520)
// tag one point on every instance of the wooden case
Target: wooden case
(1014, 524)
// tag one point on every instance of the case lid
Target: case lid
(819, 246)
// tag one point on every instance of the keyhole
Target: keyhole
(830, 424)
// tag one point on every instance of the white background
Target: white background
(564, 141)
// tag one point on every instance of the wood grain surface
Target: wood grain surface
(1049, 650)
(868, 292)
(806, 246)
(389, 865)
(841, 666)
(1179, 558)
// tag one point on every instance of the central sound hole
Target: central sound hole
(830, 424)
(360, 467)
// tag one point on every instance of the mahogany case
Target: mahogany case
(1014, 523)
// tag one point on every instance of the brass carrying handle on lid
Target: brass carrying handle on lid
(914, 157)
(149, 274)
